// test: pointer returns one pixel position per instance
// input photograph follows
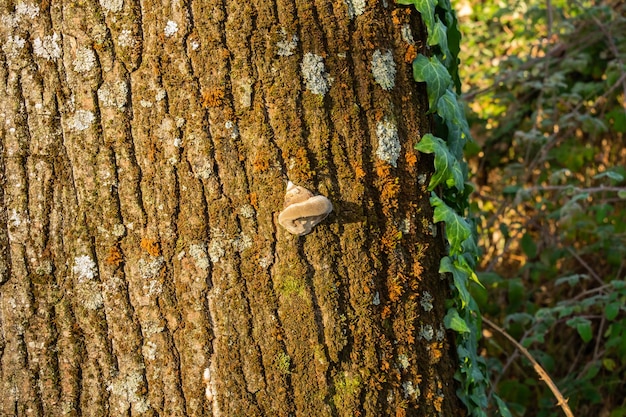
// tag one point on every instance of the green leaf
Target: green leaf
(451, 111)
(459, 277)
(622, 194)
(438, 35)
(615, 176)
(582, 326)
(502, 408)
(457, 228)
(447, 167)
(528, 246)
(435, 75)
(612, 310)
(453, 321)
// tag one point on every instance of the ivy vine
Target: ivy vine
(450, 194)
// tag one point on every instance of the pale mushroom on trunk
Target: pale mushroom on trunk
(303, 210)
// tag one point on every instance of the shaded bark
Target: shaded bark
(145, 148)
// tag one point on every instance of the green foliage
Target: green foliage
(547, 90)
(440, 73)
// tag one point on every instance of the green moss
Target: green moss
(291, 286)
(282, 361)
(347, 386)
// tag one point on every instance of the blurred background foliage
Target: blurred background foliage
(545, 83)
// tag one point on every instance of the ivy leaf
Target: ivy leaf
(457, 228)
(502, 407)
(447, 167)
(450, 110)
(459, 277)
(426, 9)
(438, 35)
(432, 72)
(453, 321)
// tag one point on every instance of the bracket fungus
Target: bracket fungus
(303, 210)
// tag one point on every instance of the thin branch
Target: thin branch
(543, 375)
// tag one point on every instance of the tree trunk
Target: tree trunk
(145, 149)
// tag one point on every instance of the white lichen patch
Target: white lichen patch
(15, 219)
(403, 361)
(112, 5)
(150, 269)
(376, 299)
(388, 142)
(409, 390)
(84, 268)
(85, 60)
(426, 301)
(127, 390)
(316, 79)
(30, 11)
(200, 255)
(194, 45)
(232, 127)
(126, 39)
(355, 7)
(89, 294)
(48, 47)
(216, 249)
(13, 46)
(171, 28)
(160, 94)
(440, 334)
(266, 261)
(427, 332)
(145, 103)
(204, 171)
(241, 242)
(152, 288)
(407, 35)
(247, 211)
(113, 94)
(82, 120)
(384, 69)
(149, 350)
(286, 46)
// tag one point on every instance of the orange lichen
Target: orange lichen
(254, 200)
(359, 172)
(437, 403)
(411, 159)
(436, 351)
(395, 290)
(212, 98)
(410, 54)
(151, 246)
(386, 312)
(261, 162)
(114, 257)
(391, 238)
(396, 18)
(383, 169)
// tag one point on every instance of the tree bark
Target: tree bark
(145, 149)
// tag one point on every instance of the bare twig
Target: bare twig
(543, 375)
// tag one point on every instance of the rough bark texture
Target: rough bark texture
(145, 148)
